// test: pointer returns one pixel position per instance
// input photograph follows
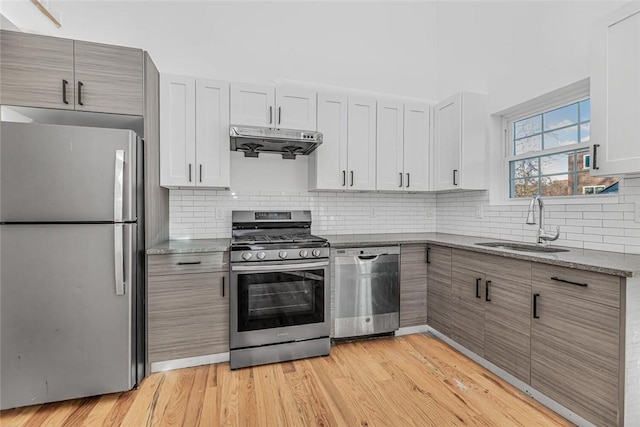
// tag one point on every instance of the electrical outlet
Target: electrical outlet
(479, 211)
(219, 213)
(430, 213)
(373, 212)
(636, 213)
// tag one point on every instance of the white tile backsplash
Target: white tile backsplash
(607, 226)
(202, 214)
(601, 226)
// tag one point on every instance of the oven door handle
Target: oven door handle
(281, 267)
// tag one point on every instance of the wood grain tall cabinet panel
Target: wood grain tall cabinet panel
(362, 143)
(439, 288)
(108, 79)
(413, 285)
(37, 71)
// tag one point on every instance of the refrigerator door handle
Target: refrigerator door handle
(118, 187)
(118, 230)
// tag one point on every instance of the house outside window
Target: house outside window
(549, 154)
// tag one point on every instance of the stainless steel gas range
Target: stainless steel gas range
(280, 290)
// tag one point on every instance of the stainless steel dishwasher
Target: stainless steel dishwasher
(367, 287)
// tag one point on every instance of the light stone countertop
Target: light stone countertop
(614, 263)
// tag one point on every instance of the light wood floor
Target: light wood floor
(414, 380)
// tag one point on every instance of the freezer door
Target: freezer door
(67, 324)
(67, 173)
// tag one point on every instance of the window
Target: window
(549, 154)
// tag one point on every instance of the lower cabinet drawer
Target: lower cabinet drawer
(187, 263)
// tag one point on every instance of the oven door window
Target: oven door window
(280, 299)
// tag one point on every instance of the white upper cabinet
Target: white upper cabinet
(403, 146)
(328, 163)
(417, 132)
(212, 133)
(194, 132)
(361, 148)
(264, 105)
(177, 130)
(615, 92)
(459, 146)
(296, 108)
(390, 145)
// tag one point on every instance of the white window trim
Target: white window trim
(567, 95)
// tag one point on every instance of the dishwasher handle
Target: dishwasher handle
(369, 257)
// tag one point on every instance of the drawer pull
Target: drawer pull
(428, 260)
(557, 279)
(535, 306)
(222, 286)
(190, 263)
(486, 291)
(478, 287)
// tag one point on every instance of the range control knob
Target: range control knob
(282, 254)
(246, 256)
(261, 255)
(316, 252)
(303, 253)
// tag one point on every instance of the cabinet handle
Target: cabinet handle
(428, 260)
(80, 84)
(351, 179)
(557, 279)
(64, 91)
(279, 115)
(270, 114)
(486, 291)
(595, 157)
(400, 180)
(189, 172)
(222, 286)
(200, 172)
(344, 178)
(535, 306)
(408, 181)
(455, 172)
(190, 263)
(478, 287)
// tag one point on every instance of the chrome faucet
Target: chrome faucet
(543, 237)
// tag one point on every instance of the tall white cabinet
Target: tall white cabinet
(266, 105)
(615, 92)
(402, 146)
(459, 143)
(361, 148)
(194, 132)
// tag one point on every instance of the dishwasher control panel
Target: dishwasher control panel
(387, 250)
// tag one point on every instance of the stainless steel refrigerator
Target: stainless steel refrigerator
(71, 262)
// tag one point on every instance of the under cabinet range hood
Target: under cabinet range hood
(253, 140)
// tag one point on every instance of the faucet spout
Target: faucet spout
(543, 237)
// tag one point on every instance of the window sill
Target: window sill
(568, 200)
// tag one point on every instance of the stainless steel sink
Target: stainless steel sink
(523, 247)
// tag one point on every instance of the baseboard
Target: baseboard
(519, 384)
(412, 330)
(189, 362)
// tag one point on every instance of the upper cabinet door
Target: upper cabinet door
(177, 131)
(361, 174)
(37, 71)
(252, 105)
(416, 146)
(108, 79)
(447, 141)
(296, 108)
(328, 162)
(389, 143)
(615, 92)
(212, 133)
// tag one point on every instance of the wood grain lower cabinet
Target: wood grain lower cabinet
(439, 289)
(575, 342)
(188, 312)
(491, 309)
(413, 285)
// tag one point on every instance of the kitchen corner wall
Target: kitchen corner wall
(606, 226)
(204, 214)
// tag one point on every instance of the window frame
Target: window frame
(571, 94)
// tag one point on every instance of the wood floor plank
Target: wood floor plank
(412, 380)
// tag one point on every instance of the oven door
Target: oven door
(274, 302)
